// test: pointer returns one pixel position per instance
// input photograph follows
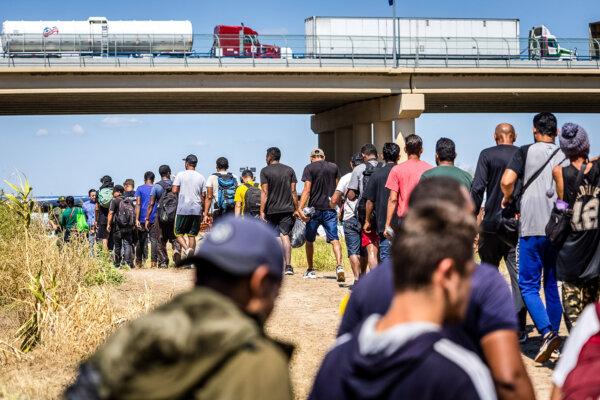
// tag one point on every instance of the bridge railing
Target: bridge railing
(296, 50)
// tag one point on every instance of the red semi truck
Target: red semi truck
(241, 41)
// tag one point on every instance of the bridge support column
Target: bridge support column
(382, 133)
(361, 134)
(327, 144)
(403, 128)
(343, 149)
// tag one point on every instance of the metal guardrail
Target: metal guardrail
(292, 50)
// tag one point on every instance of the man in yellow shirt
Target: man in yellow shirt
(247, 196)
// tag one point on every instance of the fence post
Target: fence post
(447, 51)
(509, 55)
(352, 47)
(477, 48)
(319, 48)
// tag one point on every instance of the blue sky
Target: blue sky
(68, 154)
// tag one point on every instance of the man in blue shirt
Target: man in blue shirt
(404, 354)
(89, 208)
(142, 196)
(490, 325)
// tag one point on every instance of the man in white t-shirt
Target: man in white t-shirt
(190, 185)
(352, 228)
(220, 190)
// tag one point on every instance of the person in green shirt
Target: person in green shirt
(68, 218)
(445, 154)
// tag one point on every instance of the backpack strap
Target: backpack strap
(578, 180)
(539, 171)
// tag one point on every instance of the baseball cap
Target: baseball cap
(239, 246)
(191, 159)
(317, 153)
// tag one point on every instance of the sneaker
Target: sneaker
(289, 270)
(523, 336)
(310, 274)
(339, 271)
(551, 342)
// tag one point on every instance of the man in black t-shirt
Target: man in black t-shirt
(490, 168)
(320, 179)
(279, 201)
(377, 198)
(122, 234)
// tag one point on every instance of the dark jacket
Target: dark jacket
(408, 361)
(200, 345)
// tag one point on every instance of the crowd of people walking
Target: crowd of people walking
(424, 319)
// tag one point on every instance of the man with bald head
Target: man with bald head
(490, 168)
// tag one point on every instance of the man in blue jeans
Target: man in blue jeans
(533, 164)
(320, 179)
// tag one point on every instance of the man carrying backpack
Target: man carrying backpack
(247, 197)
(105, 196)
(358, 182)
(163, 228)
(121, 221)
(221, 187)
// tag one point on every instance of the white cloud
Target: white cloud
(200, 143)
(42, 132)
(78, 130)
(120, 122)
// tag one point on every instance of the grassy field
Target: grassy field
(324, 259)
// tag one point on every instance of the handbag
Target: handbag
(558, 227)
(506, 220)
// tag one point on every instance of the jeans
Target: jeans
(141, 247)
(352, 232)
(385, 247)
(92, 241)
(164, 234)
(123, 248)
(537, 256)
(327, 219)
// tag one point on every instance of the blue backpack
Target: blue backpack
(226, 193)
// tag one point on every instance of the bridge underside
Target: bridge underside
(84, 90)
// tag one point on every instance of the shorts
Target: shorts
(352, 233)
(283, 222)
(187, 225)
(167, 230)
(367, 238)
(326, 218)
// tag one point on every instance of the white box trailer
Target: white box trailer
(422, 37)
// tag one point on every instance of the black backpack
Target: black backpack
(126, 213)
(252, 200)
(167, 205)
(361, 207)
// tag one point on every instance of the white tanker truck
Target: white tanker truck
(97, 36)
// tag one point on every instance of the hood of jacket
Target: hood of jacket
(381, 360)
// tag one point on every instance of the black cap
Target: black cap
(191, 159)
(228, 246)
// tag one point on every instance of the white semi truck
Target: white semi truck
(416, 37)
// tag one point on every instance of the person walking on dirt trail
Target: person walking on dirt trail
(142, 199)
(105, 196)
(350, 224)
(247, 196)
(164, 201)
(403, 354)
(207, 343)
(121, 222)
(279, 201)
(320, 179)
(190, 186)
(220, 190)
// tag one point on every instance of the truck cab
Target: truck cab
(543, 45)
(241, 41)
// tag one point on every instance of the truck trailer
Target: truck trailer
(416, 37)
(97, 36)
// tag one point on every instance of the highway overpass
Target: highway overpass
(346, 103)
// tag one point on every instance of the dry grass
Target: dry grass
(56, 303)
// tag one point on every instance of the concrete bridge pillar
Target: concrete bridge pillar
(343, 148)
(361, 134)
(327, 144)
(403, 128)
(382, 133)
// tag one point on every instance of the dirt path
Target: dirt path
(306, 315)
